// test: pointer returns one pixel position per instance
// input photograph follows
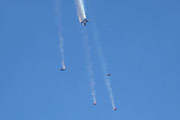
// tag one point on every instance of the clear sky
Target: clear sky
(141, 44)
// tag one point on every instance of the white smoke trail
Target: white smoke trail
(62, 49)
(57, 9)
(80, 9)
(104, 66)
(107, 79)
(89, 67)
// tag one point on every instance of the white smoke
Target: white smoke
(62, 49)
(104, 65)
(89, 67)
(106, 78)
(80, 9)
(58, 14)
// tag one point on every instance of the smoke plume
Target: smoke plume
(80, 10)
(89, 66)
(61, 40)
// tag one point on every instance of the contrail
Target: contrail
(104, 66)
(80, 9)
(61, 44)
(89, 66)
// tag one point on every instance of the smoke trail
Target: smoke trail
(104, 66)
(107, 79)
(89, 66)
(80, 9)
(58, 14)
(62, 49)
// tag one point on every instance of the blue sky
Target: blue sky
(140, 41)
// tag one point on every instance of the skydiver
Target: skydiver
(108, 74)
(114, 108)
(84, 22)
(94, 103)
(63, 68)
